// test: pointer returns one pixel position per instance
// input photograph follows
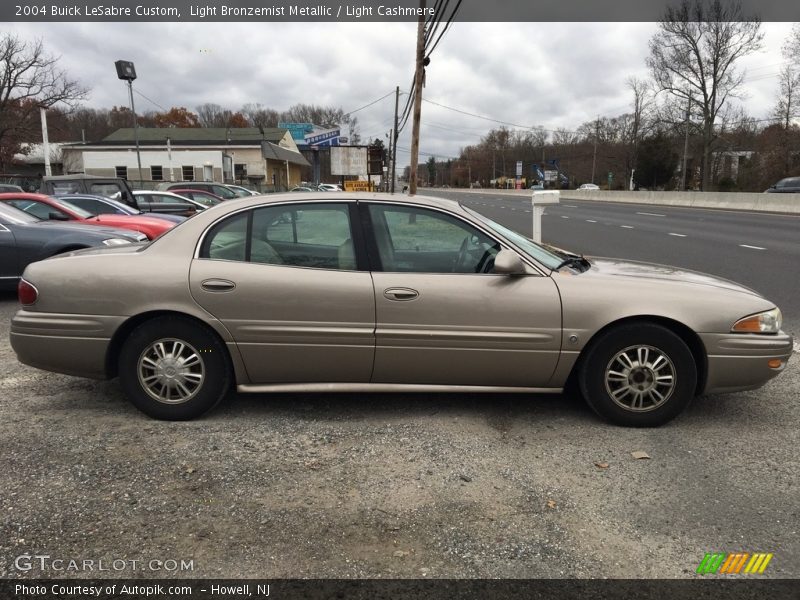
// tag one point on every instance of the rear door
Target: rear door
(291, 285)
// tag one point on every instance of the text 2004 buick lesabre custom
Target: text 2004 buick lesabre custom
(307, 292)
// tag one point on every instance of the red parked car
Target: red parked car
(48, 208)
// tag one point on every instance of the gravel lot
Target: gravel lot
(391, 485)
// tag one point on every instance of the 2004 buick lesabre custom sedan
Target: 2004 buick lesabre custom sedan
(306, 292)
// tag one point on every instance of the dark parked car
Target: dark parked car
(207, 199)
(100, 205)
(25, 239)
(154, 201)
(218, 189)
(111, 187)
(7, 187)
(789, 185)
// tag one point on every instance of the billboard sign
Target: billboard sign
(349, 160)
(519, 169)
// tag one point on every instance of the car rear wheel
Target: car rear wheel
(638, 375)
(174, 369)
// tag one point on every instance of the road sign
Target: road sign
(519, 169)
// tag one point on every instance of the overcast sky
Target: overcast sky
(548, 74)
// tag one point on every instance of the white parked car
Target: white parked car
(589, 186)
(329, 187)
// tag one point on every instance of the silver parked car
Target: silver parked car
(380, 293)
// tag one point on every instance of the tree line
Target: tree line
(684, 111)
(30, 80)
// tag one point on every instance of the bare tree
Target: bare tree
(211, 115)
(693, 57)
(260, 116)
(29, 80)
(640, 118)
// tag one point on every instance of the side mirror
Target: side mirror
(508, 263)
(57, 216)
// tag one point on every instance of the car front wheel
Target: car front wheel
(174, 369)
(638, 375)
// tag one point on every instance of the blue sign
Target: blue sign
(325, 136)
(298, 131)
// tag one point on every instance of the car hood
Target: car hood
(657, 272)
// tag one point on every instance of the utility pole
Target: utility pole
(418, 79)
(45, 142)
(596, 135)
(391, 146)
(686, 144)
(393, 150)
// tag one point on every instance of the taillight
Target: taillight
(27, 293)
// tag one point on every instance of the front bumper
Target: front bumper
(738, 362)
(64, 343)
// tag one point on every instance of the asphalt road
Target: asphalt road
(761, 251)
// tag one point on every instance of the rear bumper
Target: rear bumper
(63, 343)
(738, 362)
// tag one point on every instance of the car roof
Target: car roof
(431, 201)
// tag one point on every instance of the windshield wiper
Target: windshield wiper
(573, 260)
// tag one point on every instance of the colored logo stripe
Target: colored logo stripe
(758, 563)
(711, 562)
(722, 562)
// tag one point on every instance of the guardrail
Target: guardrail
(780, 203)
(777, 203)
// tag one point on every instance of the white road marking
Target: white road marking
(590, 221)
(797, 347)
(650, 214)
(677, 234)
(569, 206)
(564, 217)
(626, 226)
(751, 247)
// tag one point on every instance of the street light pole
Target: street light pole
(127, 72)
(135, 129)
(393, 152)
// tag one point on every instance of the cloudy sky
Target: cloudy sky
(548, 74)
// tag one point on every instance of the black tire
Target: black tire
(199, 373)
(655, 390)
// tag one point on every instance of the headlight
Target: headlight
(116, 242)
(769, 321)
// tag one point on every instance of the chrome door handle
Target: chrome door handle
(217, 285)
(400, 294)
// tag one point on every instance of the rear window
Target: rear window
(789, 182)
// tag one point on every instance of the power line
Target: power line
(153, 102)
(370, 104)
(444, 31)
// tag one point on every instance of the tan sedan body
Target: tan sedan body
(360, 292)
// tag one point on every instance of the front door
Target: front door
(286, 283)
(443, 317)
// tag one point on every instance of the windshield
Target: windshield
(531, 248)
(14, 215)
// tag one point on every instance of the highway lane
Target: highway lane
(761, 251)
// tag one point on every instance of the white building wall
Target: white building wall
(127, 158)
